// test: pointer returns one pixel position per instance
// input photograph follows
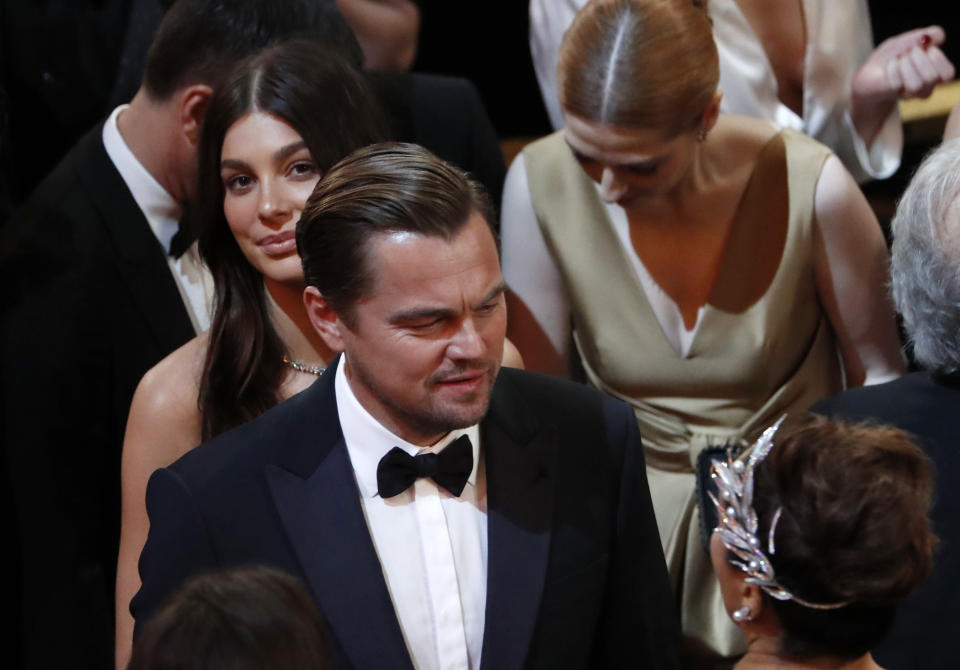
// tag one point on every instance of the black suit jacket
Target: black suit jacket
(927, 406)
(89, 304)
(576, 577)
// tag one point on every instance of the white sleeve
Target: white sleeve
(528, 267)
(882, 158)
(549, 20)
(842, 41)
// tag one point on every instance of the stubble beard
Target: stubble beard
(436, 419)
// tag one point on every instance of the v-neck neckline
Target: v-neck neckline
(636, 265)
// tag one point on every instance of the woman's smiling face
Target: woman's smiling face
(268, 174)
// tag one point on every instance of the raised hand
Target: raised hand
(908, 65)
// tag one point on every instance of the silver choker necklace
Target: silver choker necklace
(303, 367)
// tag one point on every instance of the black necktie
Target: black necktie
(450, 468)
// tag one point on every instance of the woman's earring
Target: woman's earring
(702, 135)
(742, 614)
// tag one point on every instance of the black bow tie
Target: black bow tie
(450, 468)
(181, 240)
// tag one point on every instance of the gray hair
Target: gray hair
(925, 264)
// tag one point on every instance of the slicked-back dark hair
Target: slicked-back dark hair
(328, 102)
(385, 188)
(200, 41)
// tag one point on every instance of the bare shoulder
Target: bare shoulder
(173, 385)
(743, 132)
(164, 414)
(842, 211)
(735, 142)
(836, 189)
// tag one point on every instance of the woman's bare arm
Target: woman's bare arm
(511, 356)
(851, 267)
(386, 29)
(538, 316)
(905, 66)
(527, 335)
(164, 424)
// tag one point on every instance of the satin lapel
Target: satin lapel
(520, 463)
(140, 258)
(314, 490)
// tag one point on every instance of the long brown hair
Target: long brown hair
(328, 102)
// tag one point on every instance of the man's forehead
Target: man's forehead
(413, 261)
(473, 234)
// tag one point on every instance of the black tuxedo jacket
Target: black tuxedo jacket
(923, 636)
(576, 577)
(89, 305)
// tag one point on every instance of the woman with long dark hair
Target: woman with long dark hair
(283, 118)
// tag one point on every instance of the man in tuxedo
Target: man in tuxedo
(444, 513)
(925, 278)
(97, 289)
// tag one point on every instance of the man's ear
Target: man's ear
(712, 112)
(323, 319)
(193, 107)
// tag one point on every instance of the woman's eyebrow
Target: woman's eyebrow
(233, 164)
(292, 148)
(633, 162)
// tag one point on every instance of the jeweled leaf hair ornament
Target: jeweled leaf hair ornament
(737, 527)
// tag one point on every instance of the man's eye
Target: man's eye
(425, 325)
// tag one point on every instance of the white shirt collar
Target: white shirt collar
(368, 441)
(158, 206)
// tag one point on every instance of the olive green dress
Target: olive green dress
(744, 368)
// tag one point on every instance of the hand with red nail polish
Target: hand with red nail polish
(905, 66)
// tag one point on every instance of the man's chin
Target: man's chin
(458, 409)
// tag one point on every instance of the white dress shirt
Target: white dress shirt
(163, 215)
(432, 546)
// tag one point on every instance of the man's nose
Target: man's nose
(467, 342)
